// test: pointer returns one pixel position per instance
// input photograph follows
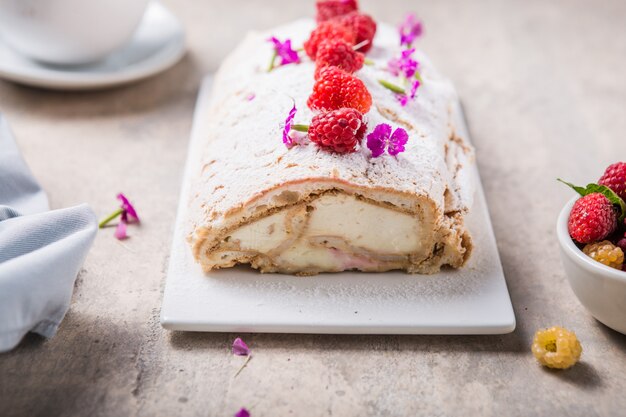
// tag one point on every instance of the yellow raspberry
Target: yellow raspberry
(556, 347)
(606, 253)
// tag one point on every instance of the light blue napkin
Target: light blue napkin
(41, 251)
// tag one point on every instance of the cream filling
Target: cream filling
(364, 225)
(332, 232)
(263, 235)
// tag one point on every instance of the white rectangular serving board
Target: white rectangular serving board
(472, 300)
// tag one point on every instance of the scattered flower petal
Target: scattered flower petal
(410, 30)
(240, 348)
(284, 50)
(251, 97)
(127, 207)
(404, 65)
(405, 98)
(120, 230)
(382, 137)
(287, 139)
(243, 413)
(414, 88)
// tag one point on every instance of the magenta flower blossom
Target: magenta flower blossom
(127, 208)
(126, 213)
(287, 139)
(240, 348)
(382, 137)
(405, 98)
(243, 413)
(284, 50)
(404, 65)
(410, 30)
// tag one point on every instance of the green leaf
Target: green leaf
(300, 128)
(605, 191)
(579, 190)
(392, 87)
(272, 61)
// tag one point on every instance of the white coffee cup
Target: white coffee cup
(69, 32)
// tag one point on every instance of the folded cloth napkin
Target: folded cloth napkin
(41, 251)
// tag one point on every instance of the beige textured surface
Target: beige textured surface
(544, 92)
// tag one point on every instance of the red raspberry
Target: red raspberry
(337, 53)
(592, 219)
(338, 130)
(615, 178)
(335, 89)
(328, 9)
(364, 28)
(327, 30)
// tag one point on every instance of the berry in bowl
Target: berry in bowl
(591, 230)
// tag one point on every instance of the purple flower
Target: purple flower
(243, 413)
(127, 208)
(287, 140)
(405, 98)
(240, 348)
(126, 212)
(376, 140)
(382, 137)
(410, 30)
(285, 51)
(404, 65)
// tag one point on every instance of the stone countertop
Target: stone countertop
(545, 94)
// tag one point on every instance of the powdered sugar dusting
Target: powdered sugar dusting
(245, 141)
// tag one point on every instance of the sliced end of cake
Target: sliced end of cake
(297, 230)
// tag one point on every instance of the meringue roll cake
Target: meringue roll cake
(288, 205)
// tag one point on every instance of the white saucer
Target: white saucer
(157, 45)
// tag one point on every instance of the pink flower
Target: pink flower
(410, 30)
(284, 50)
(240, 348)
(287, 139)
(404, 65)
(405, 98)
(382, 137)
(243, 413)
(251, 97)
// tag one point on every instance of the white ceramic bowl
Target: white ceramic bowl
(69, 32)
(601, 289)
